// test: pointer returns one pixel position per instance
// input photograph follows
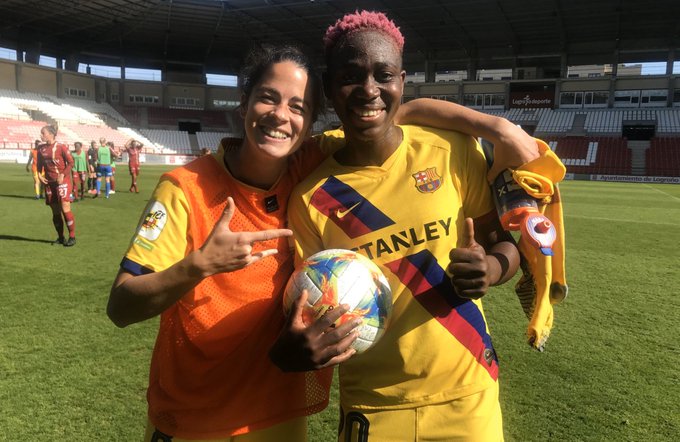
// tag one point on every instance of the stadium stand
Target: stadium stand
(101, 109)
(556, 122)
(169, 141)
(159, 116)
(19, 133)
(57, 112)
(589, 141)
(86, 133)
(663, 157)
(668, 121)
(211, 140)
(594, 155)
(132, 114)
(10, 111)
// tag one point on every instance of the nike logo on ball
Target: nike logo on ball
(341, 213)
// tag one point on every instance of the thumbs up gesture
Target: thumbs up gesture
(468, 269)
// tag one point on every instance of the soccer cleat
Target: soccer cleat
(70, 242)
(58, 241)
(112, 192)
(95, 195)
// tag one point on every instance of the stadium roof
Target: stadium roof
(215, 34)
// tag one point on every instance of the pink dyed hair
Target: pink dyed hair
(364, 20)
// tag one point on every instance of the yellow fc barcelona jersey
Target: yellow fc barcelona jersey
(405, 215)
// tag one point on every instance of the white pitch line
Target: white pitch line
(600, 218)
(661, 191)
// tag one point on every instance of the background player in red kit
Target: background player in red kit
(115, 154)
(56, 162)
(133, 148)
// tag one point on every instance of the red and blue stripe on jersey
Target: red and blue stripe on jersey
(348, 209)
(432, 288)
(420, 272)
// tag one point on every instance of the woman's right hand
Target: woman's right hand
(226, 251)
(302, 347)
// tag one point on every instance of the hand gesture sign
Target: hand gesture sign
(303, 347)
(469, 269)
(226, 251)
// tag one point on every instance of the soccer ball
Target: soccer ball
(338, 276)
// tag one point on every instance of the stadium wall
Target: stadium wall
(37, 80)
(31, 78)
(79, 83)
(26, 77)
(8, 76)
(584, 85)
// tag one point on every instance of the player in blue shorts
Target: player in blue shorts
(104, 160)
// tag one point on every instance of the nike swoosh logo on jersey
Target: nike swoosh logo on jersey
(341, 213)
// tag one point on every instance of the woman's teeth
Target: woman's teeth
(275, 133)
(368, 113)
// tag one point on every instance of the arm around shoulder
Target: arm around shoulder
(513, 146)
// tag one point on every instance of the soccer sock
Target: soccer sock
(75, 191)
(98, 186)
(70, 224)
(37, 188)
(108, 188)
(58, 224)
(113, 184)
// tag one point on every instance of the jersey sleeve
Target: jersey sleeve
(477, 198)
(161, 238)
(305, 233)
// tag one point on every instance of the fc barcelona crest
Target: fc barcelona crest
(427, 181)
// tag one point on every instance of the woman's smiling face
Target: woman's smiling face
(278, 114)
(365, 83)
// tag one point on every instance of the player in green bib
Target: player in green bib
(104, 169)
(79, 171)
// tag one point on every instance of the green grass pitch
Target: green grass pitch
(610, 372)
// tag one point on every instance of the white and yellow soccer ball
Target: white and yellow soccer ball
(336, 276)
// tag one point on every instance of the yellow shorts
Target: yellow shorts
(471, 418)
(292, 430)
